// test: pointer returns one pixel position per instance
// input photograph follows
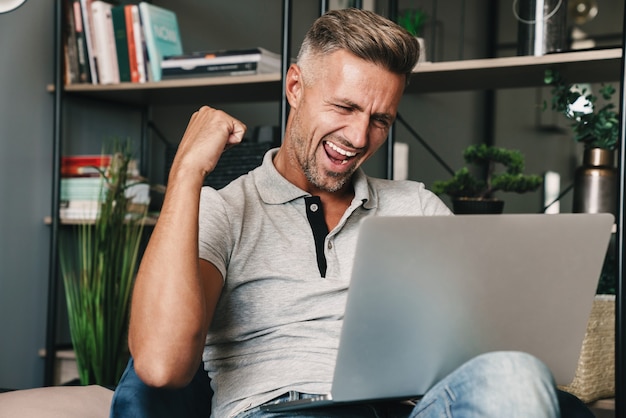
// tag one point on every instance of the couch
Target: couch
(133, 399)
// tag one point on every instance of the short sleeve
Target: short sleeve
(215, 241)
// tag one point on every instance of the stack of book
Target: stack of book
(107, 44)
(221, 63)
(83, 186)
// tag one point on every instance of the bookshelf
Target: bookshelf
(515, 72)
(439, 77)
(139, 96)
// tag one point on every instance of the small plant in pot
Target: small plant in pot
(475, 194)
(413, 20)
(595, 124)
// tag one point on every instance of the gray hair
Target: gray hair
(365, 34)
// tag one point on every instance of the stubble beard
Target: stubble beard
(326, 180)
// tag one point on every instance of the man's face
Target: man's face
(339, 119)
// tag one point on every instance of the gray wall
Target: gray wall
(26, 122)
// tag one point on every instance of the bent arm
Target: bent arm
(175, 292)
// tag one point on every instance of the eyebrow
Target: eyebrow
(386, 116)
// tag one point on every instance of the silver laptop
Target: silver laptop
(429, 293)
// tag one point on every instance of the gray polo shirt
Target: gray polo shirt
(277, 323)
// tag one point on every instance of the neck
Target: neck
(335, 203)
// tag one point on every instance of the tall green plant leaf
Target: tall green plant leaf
(98, 268)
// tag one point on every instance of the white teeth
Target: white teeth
(341, 150)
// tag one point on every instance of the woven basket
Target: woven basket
(595, 374)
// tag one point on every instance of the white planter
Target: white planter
(422, 49)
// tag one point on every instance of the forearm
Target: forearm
(169, 315)
(174, 298)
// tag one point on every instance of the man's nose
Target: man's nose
(357, 131)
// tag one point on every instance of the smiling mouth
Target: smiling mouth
(337, 154)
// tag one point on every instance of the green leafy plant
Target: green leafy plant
(98, 266)
(413, 20)
(465, 184)
(595, 126)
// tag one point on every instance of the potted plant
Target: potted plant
(475, 194)
(413, 20)
(593, 125)
(98, 266)
(596, 126)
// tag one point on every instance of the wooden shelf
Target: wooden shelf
(513, 72)
(148, 221)
(481, 74)
(245, 88)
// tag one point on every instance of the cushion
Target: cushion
(57, 402)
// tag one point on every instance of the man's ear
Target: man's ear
(293, 85)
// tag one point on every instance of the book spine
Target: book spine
(85, 11)
(211, 70)
(84, 75)
(108, 72)
(199, 61)
(120, 33)
(140, 49)
(70, 45)
(152, 63)
(162, 36)
(111, 49)
(130, 39)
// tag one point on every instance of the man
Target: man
(275, 246)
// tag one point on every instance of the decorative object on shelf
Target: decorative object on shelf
(98, 267)
(582, 11)
(541, 26)
(9, 5)
(579, 13)
(413, 20)
(471, 194)
(596, 180)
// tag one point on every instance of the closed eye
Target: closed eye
(381, 122)
(344, 108)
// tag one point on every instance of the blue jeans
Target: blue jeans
(501, 384)
(475, 385)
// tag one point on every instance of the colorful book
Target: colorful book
(84, 74)
(229, 62)
(138, 64)
(70, 45)
(130, 40)
(232, 56)
(120, 33)
(217, 70)
(85, 11)
(84, 165)
(104, 40)
(161, 34)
